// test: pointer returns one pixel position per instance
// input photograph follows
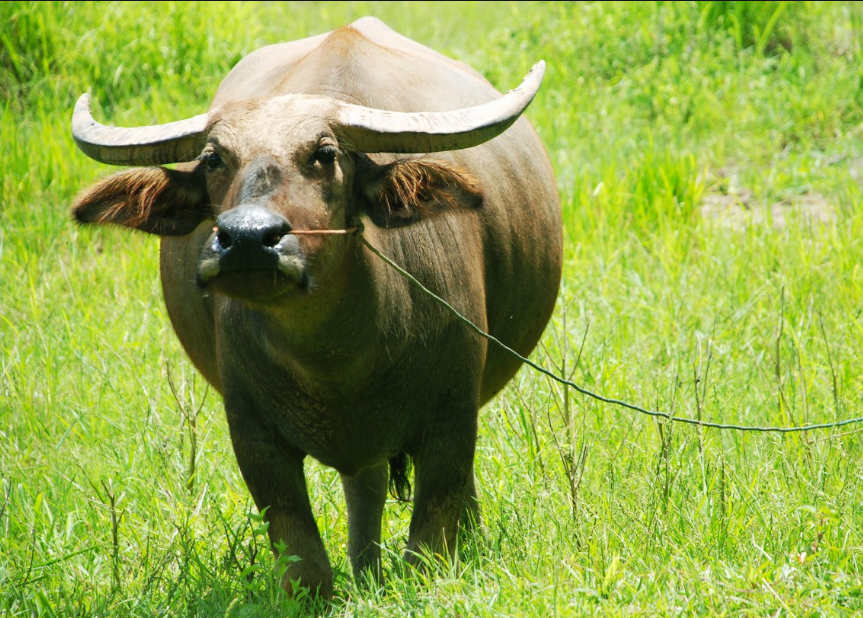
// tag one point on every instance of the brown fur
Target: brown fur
(151, 199)
(407, 190)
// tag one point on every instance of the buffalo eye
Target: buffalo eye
(325, 155)
(212, 160)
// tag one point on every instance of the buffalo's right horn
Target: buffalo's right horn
(173, 142)
(375, 130)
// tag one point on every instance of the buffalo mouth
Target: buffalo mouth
(255, 285)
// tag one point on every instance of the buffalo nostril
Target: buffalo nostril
(224, 239)
(272, 239)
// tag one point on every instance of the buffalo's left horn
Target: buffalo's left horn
(375, 130)
(173, 142)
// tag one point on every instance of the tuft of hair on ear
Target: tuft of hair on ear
(157, 200)
(408, 190)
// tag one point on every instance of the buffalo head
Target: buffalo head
(261, 168)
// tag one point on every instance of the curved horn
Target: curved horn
(374, 130)
(173, 142)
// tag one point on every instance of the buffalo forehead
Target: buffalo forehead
(279, 127)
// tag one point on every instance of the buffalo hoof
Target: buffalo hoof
(317, 579)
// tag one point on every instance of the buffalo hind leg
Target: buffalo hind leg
(274, 474)
(443, 468)
(365, 495)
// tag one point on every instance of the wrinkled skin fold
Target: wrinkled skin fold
(317, 347)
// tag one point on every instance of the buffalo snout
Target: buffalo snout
(250, 241)
(248, 237)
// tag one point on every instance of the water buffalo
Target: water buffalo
(317, 346)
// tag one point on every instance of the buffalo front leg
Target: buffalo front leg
(471, 520)
(443, 467)
(365, 495)
(274, 474)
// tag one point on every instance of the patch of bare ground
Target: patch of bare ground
(737, 207)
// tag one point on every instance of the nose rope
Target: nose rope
(349, 230)
(616, 402)
(358, 228)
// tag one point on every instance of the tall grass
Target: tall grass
(119, 492)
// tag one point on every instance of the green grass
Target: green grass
(709, 157)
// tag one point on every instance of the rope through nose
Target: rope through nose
(617, 402)
(349, 230)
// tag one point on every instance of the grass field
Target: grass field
(709, 157)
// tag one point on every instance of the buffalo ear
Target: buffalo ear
(405, 191)
(157, 200)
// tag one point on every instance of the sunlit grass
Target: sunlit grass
(749, 311)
